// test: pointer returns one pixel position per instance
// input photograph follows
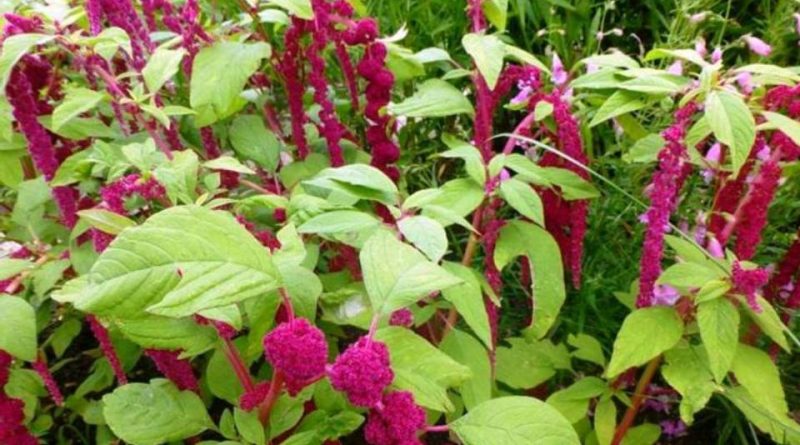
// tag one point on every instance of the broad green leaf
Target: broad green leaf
(484, 50)
(542, 111)
(473, 160)
(524, 365)
(787, 125)
(691, 275)
(359, 180)
(718, 320)
(644, 434)
(249, 427)
(572, 186)
(524, 199)
(10, 267)
(251, 140)
(657, 84)
(467, 298)
(163, 64)
(425, 234)
(573, 402)
(468, 351)
(154, 413)
(781, 427)
(77, 101)
(527, 170)
(522, 238)
(645, 334)
(411, 353)
(732, 124)
(219, 73)
(619, 103)
(514, 420)
(172, 334)
(520, 55)
(427, 393)
(397, 275)
(604, 79)
(340, 221)
(228, 163)
(689, 55)
(304, 288)
(451, 202)
(687, 371)
(14, 47)
(613, 59)
(106, 221)
(433, 98)
(180, 261)
(11, 172)
(769, 322)
(588, 348)
(605, 420)
(18, 329)
(496, 12)
(299, 8)
(758, 374)
(645, 149)
(179, 176)
(697, 132)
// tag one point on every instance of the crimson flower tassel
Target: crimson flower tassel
(298, 350)
(395, 421)
(787, 268)
(664, 188)
(12, 414)
(20, 94)
(378, 94)
(289, 68)
(730, 194)
(748, 282)
(362, 372)
(177, 370)
(753, 217)
(49, 382)
(101, 334)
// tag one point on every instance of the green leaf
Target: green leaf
(106, 221)
(14, 47)
(787, 125)
(413, 354)
(781, 427)
(688, 55)
(605, 420)
(228, 163)
(655, 84)
(163, 64)
(644, 335)
(158, 332)
(180, 261)
(587, 348)
(687, 371)
(521, 238)
(644, 434)
(514, 420)
(77, 102)
(524, 365)
(599, 80)
(496, 12)
(11, 267)
(473, 160)
(433, 98)
(757, 373)
(484, 50)
(251, 140)
(299, 8)
(573, 402)
(691, 275)
(732, 124)
(154, 413)
(18, 329)
(397, 275)
(645, 149)
(467, 298)
(464, 349)
(542, 110)
(425, 234)
(359, 180)
(179, 176)
(340, 221)
(718, 320)
(427, 393)
(769, 322)
(219, 74)
(520, 55)
(249, 426)
(572, 186)
(524, 199)
(619, 103)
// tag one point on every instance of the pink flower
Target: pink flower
(395, 421)
(676, 68)
(716, 55)
(177, 370)
(559, 73)
(748, 282)
(715, 248)
(402, 317)
(787, 268)
(745, 81)
(362, 372)
(700, 46)
(757, 45)
(796, 22)
(665, 295)
(697, 18)
(299, 351)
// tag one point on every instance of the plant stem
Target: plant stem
(638, 399)
(274, 390)
(239, 368)
(437, 428)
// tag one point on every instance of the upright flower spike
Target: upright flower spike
(20, 93)
(748, 282)
(395, 421)
(762, 192)
(664, 189)
(101, 334)
(297, 349)
(787, 268)
(177, 370)
(289, 68)
(362, 372)
(49, 382)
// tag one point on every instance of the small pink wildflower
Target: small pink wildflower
(757, 45)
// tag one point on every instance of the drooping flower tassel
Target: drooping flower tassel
(101, 334)
(289, 67)
(664, 189)
(49, 382)
(787, 268)
(753, 215)
(177, 370)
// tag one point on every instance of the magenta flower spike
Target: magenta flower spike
(362, 372)
(298, 350)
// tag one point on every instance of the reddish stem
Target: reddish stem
(239, 368)
(275, 388)
(636, 402)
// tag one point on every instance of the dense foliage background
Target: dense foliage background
(396, 222)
